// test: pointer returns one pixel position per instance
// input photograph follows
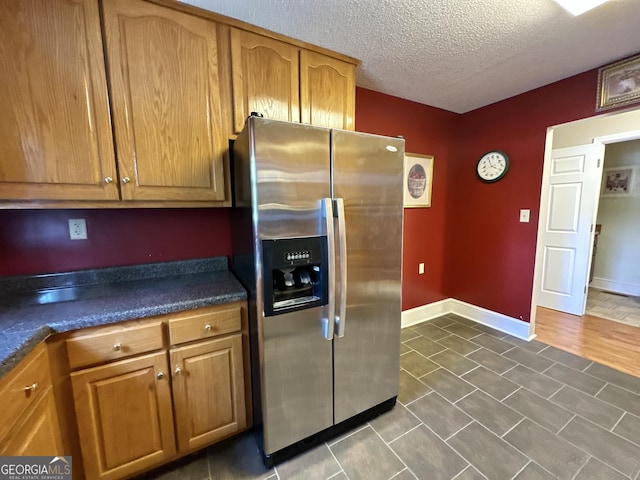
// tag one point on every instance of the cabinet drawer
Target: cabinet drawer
(23, 386)
(112, 343)
(204, 323)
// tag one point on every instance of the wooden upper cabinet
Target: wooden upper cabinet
(163, 67)
(327, 91)
(265, 78)
(55, 133)
(175, 87)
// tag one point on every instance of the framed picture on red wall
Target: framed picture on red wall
(418, 179)
(619, 84)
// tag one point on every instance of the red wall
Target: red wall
(37, 241)
(427, 130)
(470, 240)
(490, 255)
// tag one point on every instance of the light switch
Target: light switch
(420, 268)
(524, 216)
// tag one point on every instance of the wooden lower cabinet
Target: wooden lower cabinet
(125, 421)
(39, 433)
(181, 384)
(208, 391)
(30, 421)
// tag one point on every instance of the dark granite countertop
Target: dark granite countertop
(33, 307)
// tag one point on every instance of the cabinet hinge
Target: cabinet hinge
(591, 228)
(599, 163)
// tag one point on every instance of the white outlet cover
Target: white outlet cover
(524, 215)
(77, 229)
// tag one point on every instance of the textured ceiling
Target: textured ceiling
(458, 55)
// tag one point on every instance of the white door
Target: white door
(571, 208)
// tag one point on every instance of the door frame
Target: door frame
(543, 207)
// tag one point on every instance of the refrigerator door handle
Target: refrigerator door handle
(328, 322)
(342, 238)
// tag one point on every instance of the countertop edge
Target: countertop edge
(17, 341)
(28, 340)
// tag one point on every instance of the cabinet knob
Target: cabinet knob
(208, 327)
(160, 375)
(126, 180)
(117, 346)
(31, 388)
(108, 179)
(178, 371)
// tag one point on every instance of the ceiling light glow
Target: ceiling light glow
(578, 7)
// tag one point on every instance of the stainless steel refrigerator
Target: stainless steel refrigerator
(317, 238)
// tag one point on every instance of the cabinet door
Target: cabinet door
(163, 67)
(39, 432)
(265, 78)
(55, 133)
(327, 91)
(208, 391)
(124, 416)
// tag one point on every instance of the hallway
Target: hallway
(613, 306)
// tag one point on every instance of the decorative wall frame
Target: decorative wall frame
(619, 84)
(418, 180)
(618, 181)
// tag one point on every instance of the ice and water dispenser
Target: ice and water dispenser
(295, 274)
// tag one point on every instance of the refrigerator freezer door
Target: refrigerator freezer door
(291, 177)
(368, 176)
(297, 391)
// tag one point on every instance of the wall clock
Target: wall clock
(492, 166)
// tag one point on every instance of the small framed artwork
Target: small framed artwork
(618, 181)
(619, 84)
(418, 179)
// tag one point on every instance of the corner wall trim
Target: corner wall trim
(504, 323)
(426, 312)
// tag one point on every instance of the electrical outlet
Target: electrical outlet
(420, 268)
(77, 229)
(524, 215)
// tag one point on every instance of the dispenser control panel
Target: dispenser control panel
(295, 274)
(300, 255)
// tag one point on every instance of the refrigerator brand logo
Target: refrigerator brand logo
(35, 468)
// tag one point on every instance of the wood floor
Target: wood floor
(611, 343)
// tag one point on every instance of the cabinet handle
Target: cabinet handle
(160, 375)
(117, 346)
(178, 371)
(31, 388)
(108, 179)
(126, 180)
(208, 328)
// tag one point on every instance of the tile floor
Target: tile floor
(613, 306)
(474, 403)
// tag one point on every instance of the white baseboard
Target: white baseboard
(632, 289)
(510, 325)
(426, 312)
